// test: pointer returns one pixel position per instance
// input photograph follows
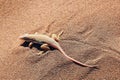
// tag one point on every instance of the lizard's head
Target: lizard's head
(26, 37)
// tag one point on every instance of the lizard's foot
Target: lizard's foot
(45, 47)
(56, 37)
(40, 53)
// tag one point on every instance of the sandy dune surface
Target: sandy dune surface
(91, 35)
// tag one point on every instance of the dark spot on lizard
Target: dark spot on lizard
(35, 45)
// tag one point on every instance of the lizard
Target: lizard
(50, 41)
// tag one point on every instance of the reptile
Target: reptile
(50, 41)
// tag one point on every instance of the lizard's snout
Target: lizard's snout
(20, 37)
(23, 36)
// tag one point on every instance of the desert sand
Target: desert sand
(91, 35)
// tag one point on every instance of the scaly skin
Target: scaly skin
(37, 38)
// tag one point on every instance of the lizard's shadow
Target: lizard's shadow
(35, 45)
(35, 58)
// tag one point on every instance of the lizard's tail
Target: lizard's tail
(74, 60)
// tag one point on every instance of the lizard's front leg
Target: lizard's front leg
(30, 44)
(45, 47)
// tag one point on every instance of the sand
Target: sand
(91, 35)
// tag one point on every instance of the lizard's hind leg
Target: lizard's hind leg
(56, 37)
(45, 47)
